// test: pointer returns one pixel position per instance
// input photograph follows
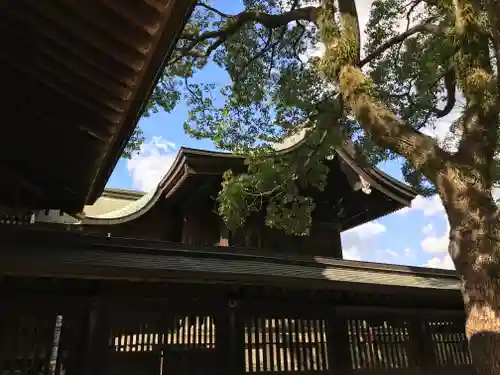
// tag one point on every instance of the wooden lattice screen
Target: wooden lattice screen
(449, 342)
(138, 337)
(285, 344)
(379, 344)
(183, 331)
(38, 340)
(26, 344)
(154, 341)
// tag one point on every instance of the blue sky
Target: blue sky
(415, 236)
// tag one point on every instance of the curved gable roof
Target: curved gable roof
(191, 162)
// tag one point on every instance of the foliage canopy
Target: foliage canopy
(416, 60)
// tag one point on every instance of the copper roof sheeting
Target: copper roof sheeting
(75, 75)
(69, 254)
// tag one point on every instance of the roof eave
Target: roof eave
(195, 162)
(179, 15)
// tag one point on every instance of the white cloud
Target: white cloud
(435, 244)
(351, 253)
(427, 229)
(443, 262)
(403, 211)
(370, 229)
(438, 247)
(430, 206)
(147, 167)
(390, 254)
(162, 144)
(362, 237)
(496, 193)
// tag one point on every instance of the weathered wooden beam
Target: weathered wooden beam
(13, 175)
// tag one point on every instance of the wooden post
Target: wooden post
(339, 355)
(230, 342)
(4, 334)
(324, 240)
(97, 341)
(72, 341)
(91, 323)
(421, 346)
(336, 242)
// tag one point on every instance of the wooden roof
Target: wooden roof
(75, 75)
(193, 170)
(69, 254)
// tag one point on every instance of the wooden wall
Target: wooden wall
(323, 240)
(201, 227)
(127, 329)
(199, 224)
(158, 223)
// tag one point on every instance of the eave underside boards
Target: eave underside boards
(45, 253)
(355, 206)
(74, 77)
(344, 200)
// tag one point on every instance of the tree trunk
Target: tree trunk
(483, 323)
(474, 248)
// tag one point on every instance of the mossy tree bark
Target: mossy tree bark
(463, 180)
(474, 247)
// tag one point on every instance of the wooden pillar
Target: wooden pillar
(324, 240)
(73, 341)
(422, 354)
(200, 227)
(339, 355)
(91, 322)
(230, 344)
(4, 333)
(336, 244)
(97, 341)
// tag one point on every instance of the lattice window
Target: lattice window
(378, 344)
(29, 343)
(16, 216)
(55, 342)
(282, 344)
(450, 344)
(187, 331)
(193, 331)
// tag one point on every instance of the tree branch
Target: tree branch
(450, 86)
(236, 22)
(212, 9)
(258, 55)
(493, 10)
(270, 21)
(297, 41)
(413, 6)
(387, 129)
(429, 28)
(377, 120)
(481, 120)
(350, 24)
